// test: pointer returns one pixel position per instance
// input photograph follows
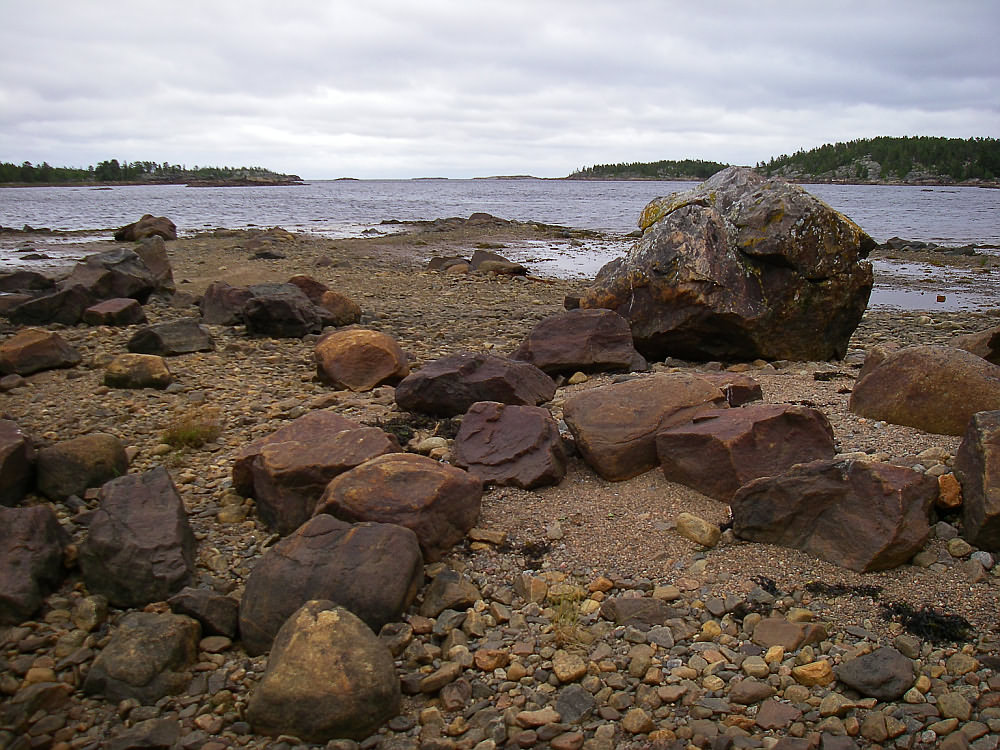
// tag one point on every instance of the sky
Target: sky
(468, 88)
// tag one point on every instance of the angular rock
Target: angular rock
(281, 311)
(149, 734)
(222, 304)
(359, 359)
(32, 350)
(153, 252)
(112, 274)
(615, 426)
(297, 695)
(439, 503)
(17, 714)
(933, 388)
(486, 261)
(140, 547)
(73, 466)
(137, 371)
(977, 466)
(738, 388)
(448, 590)
(581, 340)
(450, 385)
(510, 445)
(148, 657)
(791, 636)
(985, 344)
(31, 560)
(639, 612)
(748, 692)
(64, 306)
(863, 516)
(721, 450)
(217, 613)
(884, 674)
(182, 336)
(740, 268)
(372, 569)
(119, 311)
(30, 282)
(17, 463)
(147, 226)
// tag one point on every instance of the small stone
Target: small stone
(914, 697)
(637, 721)
(961, 663)
(568, 667)
(953, 705)
(541, 717)
(958, 547)
(577, 378)
(949, 492)
(698, 530)
(815, 673)
(755, 666)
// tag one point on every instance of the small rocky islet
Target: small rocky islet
(582, 613)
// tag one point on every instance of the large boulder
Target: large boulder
(17, 463)
(723, 449)
(73, 466)
(615, 425)
(281, 311)
(183, 336)
(64, 306)
(510, 445)
(581, 340)
(139, 547)
(863, 516)
(114, 273)
(372, 569)
(977, 466)
(222, 304)
(147, 226)
(359, 359)
(31, 560)
(439, 503)
(30, 282)
(448, 386)
(32, 350)
(933, 388)
(739, 268)
(297, 696)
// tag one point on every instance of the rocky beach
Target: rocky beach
(755, 642)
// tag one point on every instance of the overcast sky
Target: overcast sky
(461, 88)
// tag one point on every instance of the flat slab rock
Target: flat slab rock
(32, 350)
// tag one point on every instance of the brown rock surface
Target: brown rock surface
(17, 463)
(120, 311)
(137, 371)
(33, 349)
(147, 226)
(977, 466)
(584, 340)
(359, 359)
(31, 560)
(985, 344)
(71, 466)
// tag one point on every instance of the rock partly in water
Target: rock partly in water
(977, 466)
(359, 359)
(581, 340)
(32, 350)
(73, 466)
(31, 560)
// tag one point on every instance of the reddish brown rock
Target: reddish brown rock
(448, 386)
(222, 304)
(32, 350)
(339, 309)
(977, 466)
(65, 306)
(721, 450)
(147, 226)
(738, 388)
(615, 426)
(72, 466)
(581, 340)
(440, 503)
(486, 261)
(933, 388)
(31, 560)
(510, 445)
(359, 359)
(120, 311)
(17, 463)
(985, 344)
(791, 636)
(863, 516)
(310, 287)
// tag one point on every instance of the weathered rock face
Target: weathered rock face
(140, 547)
(740, 268)
(328, 677)
(722, 450)
(217, 613)
(449, 386)
(359, 359)
(182, 336)
(977, 466)
(372, 569)
(863, 516)
(72, 466)
(114, 273)
(147, 226)
(440, 503)
(510, 445)
(985, 344)
(339, 310)
(884, 674)
(65, 306)
(120, 311)
(933, 388)
(26, 281)
(149, 656)
(584, 340)
(137, 371)
(31, 560)
(33, 350)
(153, 252)
(222, 304)
(280, 310)
(17, 463)
(615, 426)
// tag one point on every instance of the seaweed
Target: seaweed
(534, 551)
(404, 427)
(840, 589)
(929, 623)
(766, 584)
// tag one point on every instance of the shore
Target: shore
(585, 528)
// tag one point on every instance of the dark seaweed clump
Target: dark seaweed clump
(831, 590)
(766, 584)
(405, 426)
(929, 623)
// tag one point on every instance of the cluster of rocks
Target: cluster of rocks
(898, 244)
(482, 260)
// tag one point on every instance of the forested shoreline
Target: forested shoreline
(137, 172)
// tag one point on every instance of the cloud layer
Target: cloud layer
(461, 89)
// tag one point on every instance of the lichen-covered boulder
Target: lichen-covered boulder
(740, 268)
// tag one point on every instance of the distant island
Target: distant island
(113, 172)
(912, 160)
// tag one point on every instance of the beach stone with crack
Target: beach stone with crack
(510, 445)
(977, 466)
(860, 515)
(739, 268)
(183, 336)
(297, 696)
(359, 359)
(72, 466)
(140, 547)
(884, 674)
(580, 340)
(440, 503)
(933, 388)
(149, 656)
(137, 371)
(32, 350)
(448, 386)
(147, 226)
(17, 463)
(721, 450)
(372, 569)
(615, 426)
(217, 613)
(32, 543)
(120, 311)
(985, 344)
(222, 304)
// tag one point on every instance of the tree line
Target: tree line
(666, 169)
(113, 170)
